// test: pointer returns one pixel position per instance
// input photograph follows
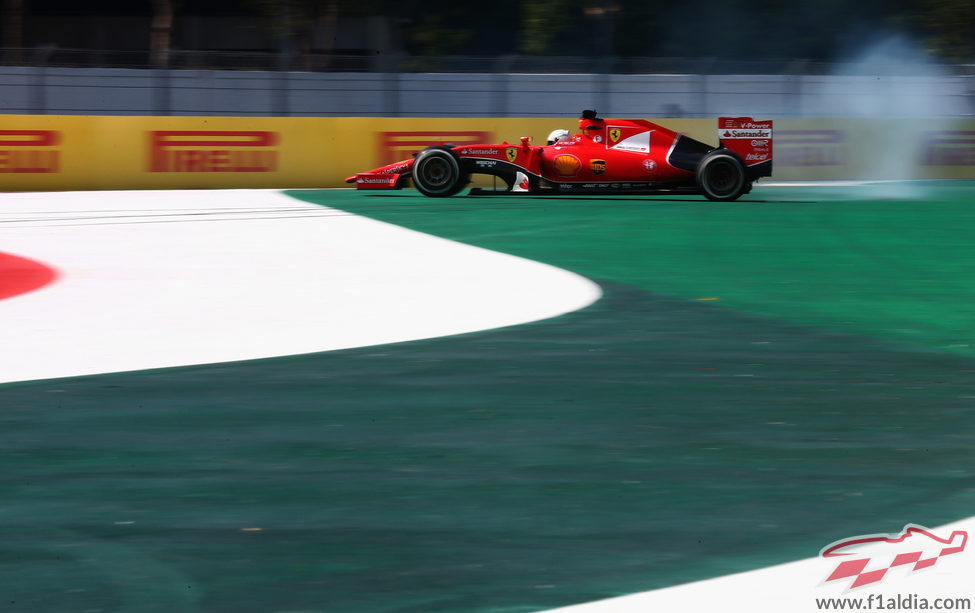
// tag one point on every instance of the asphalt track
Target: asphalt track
(758, 380)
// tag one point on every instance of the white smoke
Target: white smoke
(896, 90)
(892, 77)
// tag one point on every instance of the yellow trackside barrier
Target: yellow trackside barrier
(43, 152)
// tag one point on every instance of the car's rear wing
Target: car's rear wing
(751, 140)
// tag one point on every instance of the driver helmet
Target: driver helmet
(558, 135)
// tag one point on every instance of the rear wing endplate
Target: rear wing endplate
(750, 139)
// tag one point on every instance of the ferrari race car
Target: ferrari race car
(609, 156)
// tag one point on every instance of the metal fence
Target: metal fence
(66, 81)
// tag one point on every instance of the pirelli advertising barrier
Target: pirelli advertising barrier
(47, 152)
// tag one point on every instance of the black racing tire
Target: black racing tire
(436, 173)
(721, 176)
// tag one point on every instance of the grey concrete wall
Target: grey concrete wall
(93, 91)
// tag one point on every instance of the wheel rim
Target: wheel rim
(436, 172)
(723, 178)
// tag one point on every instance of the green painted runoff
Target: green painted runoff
(743, 394)
(896, 261)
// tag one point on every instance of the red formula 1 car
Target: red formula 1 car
(609, 156)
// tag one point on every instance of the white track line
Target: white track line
(162, 278)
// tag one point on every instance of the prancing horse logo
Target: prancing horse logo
(512, 153)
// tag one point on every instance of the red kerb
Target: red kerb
(19, 275)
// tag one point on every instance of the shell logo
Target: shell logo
(566, 165)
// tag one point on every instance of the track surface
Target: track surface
(760, 379)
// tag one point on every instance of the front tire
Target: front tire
(436, 173)
(721, 176)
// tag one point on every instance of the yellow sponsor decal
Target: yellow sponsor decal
(598, 167)
(566, 165)
(512, 153)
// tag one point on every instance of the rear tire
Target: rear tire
(436, 173)
(721, 176)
